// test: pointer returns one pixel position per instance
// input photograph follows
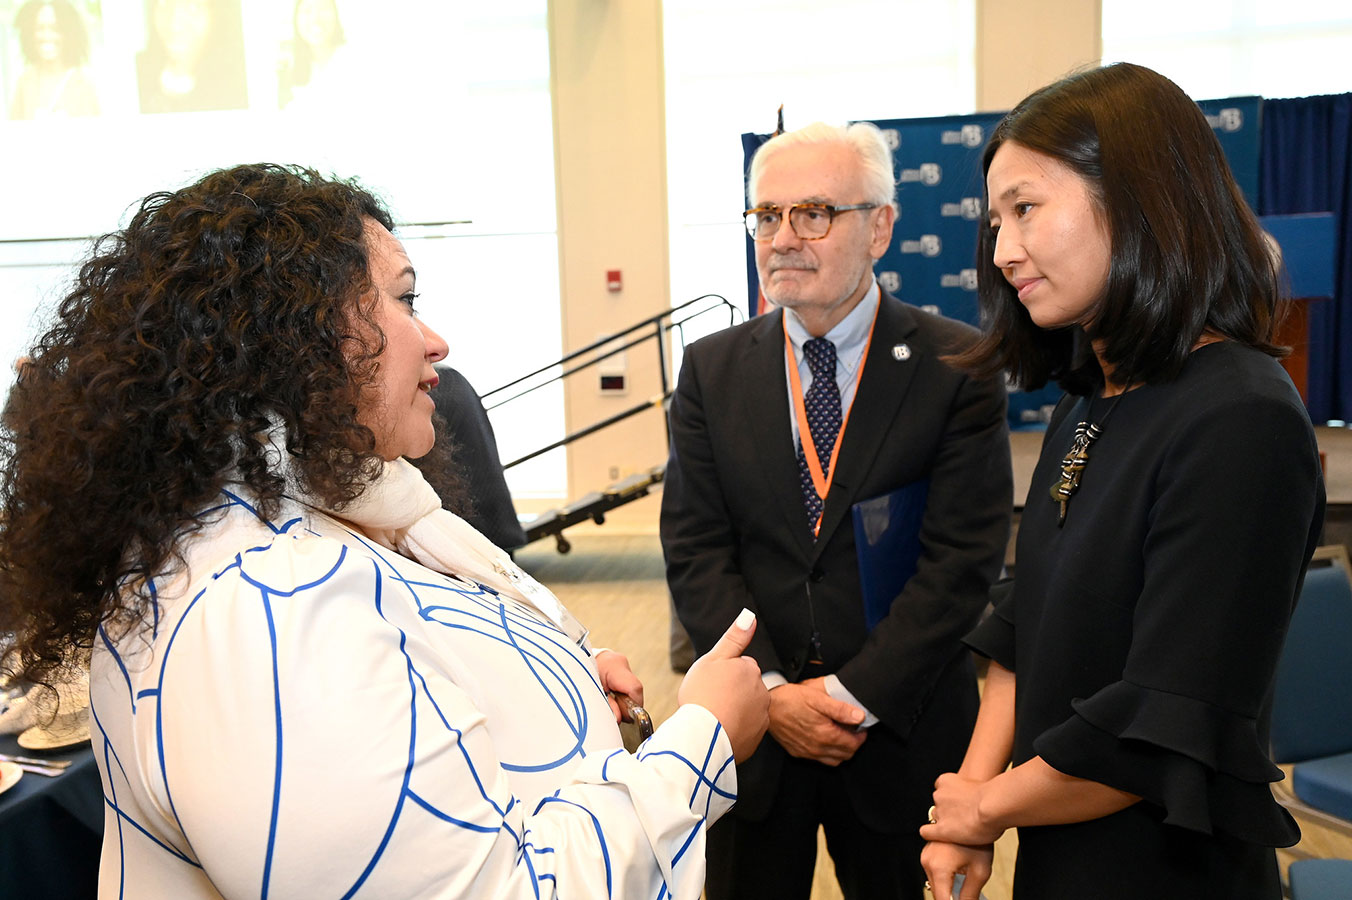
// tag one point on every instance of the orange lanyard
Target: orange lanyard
(821, 478)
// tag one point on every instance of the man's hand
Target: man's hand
(810, 724)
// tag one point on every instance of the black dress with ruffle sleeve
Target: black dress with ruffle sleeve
(1144, 631)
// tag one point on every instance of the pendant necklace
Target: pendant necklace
(1077, 457)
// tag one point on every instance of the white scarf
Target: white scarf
(401, 512)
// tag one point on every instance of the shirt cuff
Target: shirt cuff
(773, 679)
(837, 691)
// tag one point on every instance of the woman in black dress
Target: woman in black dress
(1170, 518)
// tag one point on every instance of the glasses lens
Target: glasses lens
(762, 224)
(812, 221)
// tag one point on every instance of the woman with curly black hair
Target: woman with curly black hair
(307, 679)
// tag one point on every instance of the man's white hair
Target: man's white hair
(864, 138)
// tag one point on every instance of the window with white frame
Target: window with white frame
(729, 66)
(1233, 48)
(443, 109)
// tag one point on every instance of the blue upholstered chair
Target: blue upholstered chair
(1321, 879)
(1312, 703)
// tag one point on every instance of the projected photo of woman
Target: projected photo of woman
(316, 61)
(55, 46)
(194, 57)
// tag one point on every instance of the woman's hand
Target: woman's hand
(618, 678)
(955, 817)
(942, 861)
(729, 685)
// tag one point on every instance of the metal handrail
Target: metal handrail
(657, 326)
(591, 429)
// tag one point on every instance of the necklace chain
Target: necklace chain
(1076, 458)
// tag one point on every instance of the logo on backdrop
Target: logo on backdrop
(893, 138)
(969, 136)
(1228, 119)
(966, 279)
(969, 208)
(928, 245)
(928, 174)
(889, 281)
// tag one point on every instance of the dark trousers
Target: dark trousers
(774, 859)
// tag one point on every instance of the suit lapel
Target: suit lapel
(765, 405)
(882, 388)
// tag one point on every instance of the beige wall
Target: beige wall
(610, 166)
(1023, 45)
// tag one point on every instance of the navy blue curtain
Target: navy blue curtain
(1306, 166)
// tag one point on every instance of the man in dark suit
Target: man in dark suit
(766, 460)
(475, 470)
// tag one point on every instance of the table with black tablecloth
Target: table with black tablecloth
(51, 828)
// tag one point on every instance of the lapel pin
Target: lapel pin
(901, 352)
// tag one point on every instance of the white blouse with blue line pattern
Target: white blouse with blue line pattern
(307, 714)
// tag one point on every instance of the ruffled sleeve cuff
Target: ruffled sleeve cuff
(994, 637)
(1203, 766)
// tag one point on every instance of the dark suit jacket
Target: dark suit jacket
(476, 453)
(734, 532)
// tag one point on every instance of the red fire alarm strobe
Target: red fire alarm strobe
(613, 281)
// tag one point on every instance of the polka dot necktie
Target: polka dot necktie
(822, 405)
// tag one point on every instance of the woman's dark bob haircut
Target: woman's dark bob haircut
(1188, 257)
